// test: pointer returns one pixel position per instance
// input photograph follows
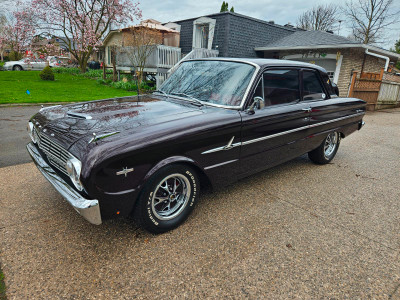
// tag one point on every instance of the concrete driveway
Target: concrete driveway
(296, 231)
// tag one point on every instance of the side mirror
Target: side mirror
(257, 102)
(335, 88)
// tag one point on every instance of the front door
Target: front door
(277, 132)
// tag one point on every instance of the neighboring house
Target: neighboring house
(164, 57)
(229, 34)
(338, 55)
(232, 34)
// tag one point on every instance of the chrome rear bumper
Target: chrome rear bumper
(89, 209)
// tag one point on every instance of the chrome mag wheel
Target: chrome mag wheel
(331, 143)
(171, 196)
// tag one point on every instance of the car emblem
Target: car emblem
(125, 171)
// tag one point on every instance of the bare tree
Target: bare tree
(138, 43)
(320, 17)
(369, 18)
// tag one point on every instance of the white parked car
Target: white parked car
(29, 63)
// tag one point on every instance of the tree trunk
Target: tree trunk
(83, 65)
(104, 71)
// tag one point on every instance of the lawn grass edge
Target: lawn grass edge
(2, 286)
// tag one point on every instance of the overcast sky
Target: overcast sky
(280, 11)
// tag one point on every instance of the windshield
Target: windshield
(213, 81)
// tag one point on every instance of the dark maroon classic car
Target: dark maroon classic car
(212, 122)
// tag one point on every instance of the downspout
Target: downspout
(380, 56)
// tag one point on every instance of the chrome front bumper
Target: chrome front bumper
(89, 209)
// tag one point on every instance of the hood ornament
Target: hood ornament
(96, 137)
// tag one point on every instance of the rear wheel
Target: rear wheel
(167, 199)
(327, 150)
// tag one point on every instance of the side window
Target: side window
(312, 88)
(281, 86)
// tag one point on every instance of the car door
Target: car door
(277, 132)
(327, 112)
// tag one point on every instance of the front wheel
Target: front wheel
(327, 150)
(17, 68)
(167, 199)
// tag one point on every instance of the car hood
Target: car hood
(66, 124)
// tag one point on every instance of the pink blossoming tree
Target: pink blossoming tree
(81, 24)
(17, 30)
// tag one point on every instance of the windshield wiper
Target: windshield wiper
(162, 92)
(190, 97)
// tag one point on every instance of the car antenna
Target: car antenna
(137, 87)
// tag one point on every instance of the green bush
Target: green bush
(1, 65)
(47, 74)
(128, 86)
(62, 70)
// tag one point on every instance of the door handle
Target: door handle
(309, 109)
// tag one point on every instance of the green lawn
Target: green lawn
(2, 286)
(65, 88)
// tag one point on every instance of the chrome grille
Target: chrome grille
(56, 154)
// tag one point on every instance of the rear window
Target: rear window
(312, 88)
(328, 84)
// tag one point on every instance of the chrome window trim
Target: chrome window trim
(224, 148)
(240, 107)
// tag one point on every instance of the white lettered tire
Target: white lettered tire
(167, 199)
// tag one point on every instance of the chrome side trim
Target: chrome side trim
(87, 208)
(274, 135)
(222, 148)
(338, 119)
(280, 134)
(228, 146)
(220, 164)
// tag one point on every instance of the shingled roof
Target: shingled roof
(310, 38)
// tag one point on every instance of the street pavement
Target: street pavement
(14, 137)
(298, 230)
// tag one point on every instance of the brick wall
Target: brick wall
(352, 61)
(245, 34)
(235, 35)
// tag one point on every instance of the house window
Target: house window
(203, 33)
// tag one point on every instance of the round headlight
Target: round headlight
(74, 171)
(30, 128)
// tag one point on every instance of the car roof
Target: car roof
(268, 62)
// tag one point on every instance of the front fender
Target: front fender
(167, 161)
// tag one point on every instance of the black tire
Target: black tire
(17, 68)
(327, 150)
(174, 187)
